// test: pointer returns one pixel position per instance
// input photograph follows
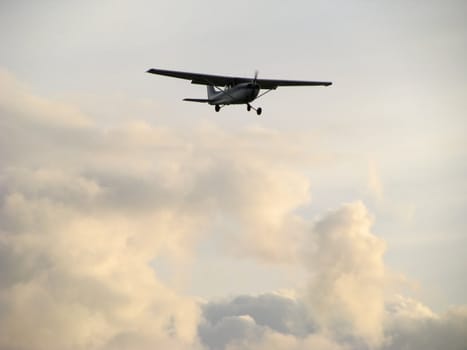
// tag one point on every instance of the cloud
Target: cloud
(230, 329)
(75, 269)
(257, 315)
(77, 281)
(343, 303)
(274, 340)
(412, 325)
(347, 273)
(275, 321)
(16, 100)
(84, 210)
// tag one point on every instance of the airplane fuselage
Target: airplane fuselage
(238, 94)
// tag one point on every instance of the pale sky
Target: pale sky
(335, 220)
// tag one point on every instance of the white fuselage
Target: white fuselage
(238, 94)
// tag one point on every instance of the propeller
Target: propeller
(254, 82)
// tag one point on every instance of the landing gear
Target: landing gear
(217, 108)
(250, 107)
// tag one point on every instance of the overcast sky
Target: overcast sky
(132, 219)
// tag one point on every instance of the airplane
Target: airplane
(227, 90)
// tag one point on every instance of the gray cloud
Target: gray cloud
(272, 320)
(256, 315)
(228, 330)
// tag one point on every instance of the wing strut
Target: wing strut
(264, 93)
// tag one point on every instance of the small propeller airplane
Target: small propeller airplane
(227, 90)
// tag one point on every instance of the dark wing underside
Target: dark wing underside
(271, 84)
(221, 80)
(203, 79)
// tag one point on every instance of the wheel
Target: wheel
(248, 108)
(218, 108)
(258, 111)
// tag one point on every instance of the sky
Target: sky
(130, 219)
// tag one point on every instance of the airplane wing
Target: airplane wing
(221, 80)
(202, 79)
(271, 84)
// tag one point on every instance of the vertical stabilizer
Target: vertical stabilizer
(211, 91)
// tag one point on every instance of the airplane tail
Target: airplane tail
(211, 91)
(211, 94)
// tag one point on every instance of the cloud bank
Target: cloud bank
(84, 211)
(278, 322)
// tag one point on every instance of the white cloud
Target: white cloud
(75, 259)
(83, 212)
(347, 274)
(412, 325)
(16, 100)
(78, 281)
(343, 305)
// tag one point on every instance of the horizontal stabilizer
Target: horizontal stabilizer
(202, 100)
